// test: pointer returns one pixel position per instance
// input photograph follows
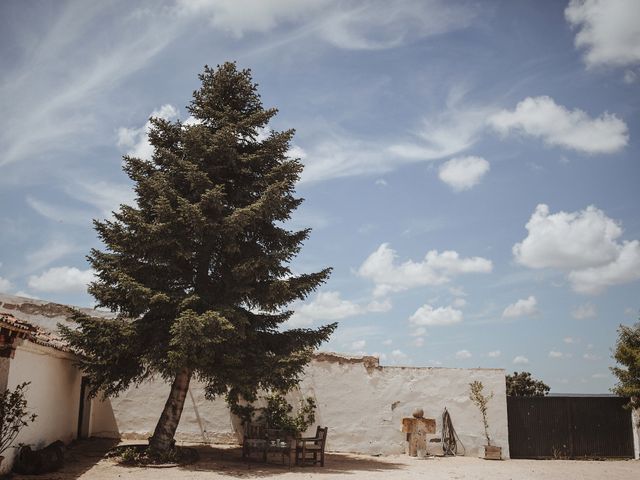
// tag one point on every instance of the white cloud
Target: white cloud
(436, 269)
(398, 356)
(585, 243)
(62, 279)
(494, 354)
(624, 269)
(608, 31)
(555, 354)
(376, 306)
(418, 342)
(521, 360)
(463, 354)
(570, 340)
(463, 173)
(329, 306)
(371, 25)
(136, 140)
(591, 356)
(5, 285)
(381, 182)
(22, 293)
(326, 306)
(568, 240)
(419, 332)
(459, 303)
(541, 117)
(426, 315)
(457, 291)
(358, 345)
(521, 308)
(388, 341)
(587, 310)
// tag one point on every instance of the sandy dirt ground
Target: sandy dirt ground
(86, 461)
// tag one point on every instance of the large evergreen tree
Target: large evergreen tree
(198, 271)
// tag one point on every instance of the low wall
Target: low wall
(361, 402)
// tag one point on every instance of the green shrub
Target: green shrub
(14, 415)
(278, 414)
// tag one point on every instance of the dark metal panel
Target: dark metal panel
(603, 428)
(569, 427)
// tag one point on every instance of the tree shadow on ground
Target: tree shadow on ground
(83, 455)
(79, 457)
(229, 461)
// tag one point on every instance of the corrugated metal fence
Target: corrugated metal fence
(569, 427)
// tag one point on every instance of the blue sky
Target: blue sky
(471, 167)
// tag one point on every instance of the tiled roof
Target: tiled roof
(32, 333)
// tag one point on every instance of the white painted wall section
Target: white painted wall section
(362, 404)
(53, 395)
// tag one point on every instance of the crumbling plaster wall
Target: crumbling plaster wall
(361, 403)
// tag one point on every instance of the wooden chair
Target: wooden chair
(254, 440)
(312, 448)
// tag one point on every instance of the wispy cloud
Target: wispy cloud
(49, 101)
(355, 25)
(54, 249)
(449, 132)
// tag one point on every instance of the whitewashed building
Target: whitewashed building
(361, 402)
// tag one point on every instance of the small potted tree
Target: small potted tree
(13, 415)
(491, 452)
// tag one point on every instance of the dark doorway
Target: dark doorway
(84, 412)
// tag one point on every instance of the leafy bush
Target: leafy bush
(524, 385)
(14, 415)
(141, 455)
(131, 456)
(278, 414)
(627, 355)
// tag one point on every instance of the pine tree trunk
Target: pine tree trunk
(162, 440)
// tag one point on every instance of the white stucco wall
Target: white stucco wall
(362, 405)
(53, 395)
(102, 422)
